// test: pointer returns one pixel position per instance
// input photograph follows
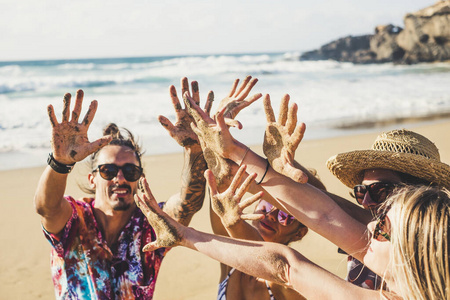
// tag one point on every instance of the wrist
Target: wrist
(59, 167)
(238, 152)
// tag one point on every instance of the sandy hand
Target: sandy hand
(236, 99)
(70, 142)
(228, 205)
(282, 138)
(181, 131)
(167, 229)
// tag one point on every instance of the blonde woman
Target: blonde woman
(408, 247)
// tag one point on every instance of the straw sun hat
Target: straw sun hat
(399, 150)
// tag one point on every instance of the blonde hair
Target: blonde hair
(420, 242)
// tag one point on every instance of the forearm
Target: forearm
(49, 201)
(306, 203)
(265, 260)
(190, 199)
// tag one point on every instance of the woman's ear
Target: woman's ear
(91, 179)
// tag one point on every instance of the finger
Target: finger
(197, 131)
(185, 86)
(243, 86)
(297, 137)
(148, 192)
(152, 246)
(233, 123)
(220, 120)
(237, 178)
(175, 101)
(283, 110)
(252, 99)
(211, 180)
(233, 88)
(268, 109)
(194, 110)
(66, 107)
(295, 174)
(248, 88)
(249, 201)
(77, 109)
(90, 113)
(292, 118)
(252, 217)
(209, 103)
(244, 187)
(98, 144)
(166, 124)
(195, 92)
(51, 115)
(143, 206)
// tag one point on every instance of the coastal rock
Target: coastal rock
(425, 38)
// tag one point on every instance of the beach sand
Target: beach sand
(185, 274)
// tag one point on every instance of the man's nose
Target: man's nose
(368, 202)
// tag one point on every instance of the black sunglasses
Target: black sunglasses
(378, 191)
(131, 172)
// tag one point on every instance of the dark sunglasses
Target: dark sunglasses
(379, 233)
(283, 218)
(131, 172)
(378, 191)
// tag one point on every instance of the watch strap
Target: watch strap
(57, 166)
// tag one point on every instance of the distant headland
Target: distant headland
(424, 38)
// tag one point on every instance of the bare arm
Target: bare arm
(69, 145)
(184, 205)
(270, 261)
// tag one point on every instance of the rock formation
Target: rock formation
(425, 38)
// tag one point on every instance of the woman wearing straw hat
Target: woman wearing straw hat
(401, 151)
(396, 157)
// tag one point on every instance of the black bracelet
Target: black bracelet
(57, 166)
(267, 168)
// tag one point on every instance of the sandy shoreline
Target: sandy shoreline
(185, 274)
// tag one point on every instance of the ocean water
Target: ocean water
(334, 98)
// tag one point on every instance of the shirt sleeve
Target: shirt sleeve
(58, 241)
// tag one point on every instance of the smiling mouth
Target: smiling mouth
(267, 227)
(121, 190)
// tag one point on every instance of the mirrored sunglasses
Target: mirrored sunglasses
(380, 232)
(283, 218)
(378, 191)
(131, 172)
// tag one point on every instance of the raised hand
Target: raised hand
(181, 131)
(282, 138)
(236, 99)
(228, 205)
(214, 133)
(167, 229)
(70, 142)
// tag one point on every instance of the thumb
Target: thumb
(295, 174)
(152, 246)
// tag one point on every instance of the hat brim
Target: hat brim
(348, 167)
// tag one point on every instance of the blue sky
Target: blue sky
(50, 29)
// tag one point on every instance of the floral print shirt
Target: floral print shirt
(85, 267)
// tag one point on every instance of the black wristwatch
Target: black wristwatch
(57, 166)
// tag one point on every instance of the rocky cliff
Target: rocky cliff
(424, 38)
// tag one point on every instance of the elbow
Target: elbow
(282, 270)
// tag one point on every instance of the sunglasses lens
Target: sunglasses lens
(131, 172)
(108, 171)
(284, 219)
(360, 191)
(379, 191)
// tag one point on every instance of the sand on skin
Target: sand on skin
(185, 274)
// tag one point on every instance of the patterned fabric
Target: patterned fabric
(360, 275)
(84, 267)
(221, 295)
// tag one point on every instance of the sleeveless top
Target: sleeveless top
(223, 288)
